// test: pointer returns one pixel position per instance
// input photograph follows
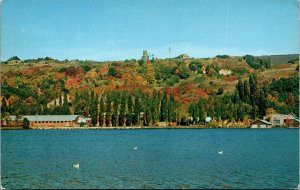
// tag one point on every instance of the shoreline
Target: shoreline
(131, 128)
(120, 128)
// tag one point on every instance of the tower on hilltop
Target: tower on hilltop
(145, 56)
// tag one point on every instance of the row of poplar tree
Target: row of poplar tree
(126, 108)
(249, 101)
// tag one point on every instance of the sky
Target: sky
(107, 30)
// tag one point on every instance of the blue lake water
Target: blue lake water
(164, 158)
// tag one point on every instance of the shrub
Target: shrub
(26, 123)
(112, 72)
(220, 91)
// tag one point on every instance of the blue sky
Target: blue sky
(121, 29)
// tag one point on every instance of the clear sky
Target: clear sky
(121, 29)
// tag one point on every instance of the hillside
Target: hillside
(41, 81)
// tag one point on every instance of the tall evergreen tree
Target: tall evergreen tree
(201, 113)
(217, 109)
(122, 118)
(171, 109)
(240, 88)
(108, 109)
(262, 103)
(253, 86)
(3, 106)
(65, 107)
(101, 111)
(155, 106)
(93, 108)
(137, 106)
(240, 112)
(163, 107)
(192, 112)
(116, 109)
(246, 92)
(149, 111)
(129, 110)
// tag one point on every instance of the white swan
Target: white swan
(220, 152)
(135, 148)
(76, 165)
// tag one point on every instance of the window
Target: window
(276, 121)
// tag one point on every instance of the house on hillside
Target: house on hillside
(282, 120)
(54, 120)
(261, 124)
(14, 62)
(225, 72)
(182, 57)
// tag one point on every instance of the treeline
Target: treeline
(249, 101)
(257, 63)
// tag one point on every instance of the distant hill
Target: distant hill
(280, 59)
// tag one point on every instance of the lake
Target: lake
(163, 158)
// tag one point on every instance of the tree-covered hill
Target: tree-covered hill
(170, 90)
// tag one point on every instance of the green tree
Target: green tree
(3, 106)
(26, 123)
(149, 111)
(116, 109)
(155, 106)
(163, 107)
(240, 88)
(108, 109)
(246, 91)
(93, 108)
(200, 111)
(137, 106)
(122, 118)
(81, 104)
(218, 109)
(253, 86)
(172, 109)
(129, 109)
(101, 111)
(184, 72)
(112, 72)
(65, 107)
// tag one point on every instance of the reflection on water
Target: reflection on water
(165, 158)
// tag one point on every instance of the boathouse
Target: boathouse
(55, 120)
(261, 124)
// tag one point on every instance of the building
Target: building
(54, 120)
(145, 56)
(182, 57)
(261, 124)
(225, 72)
(281, 120)
(14, 62)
